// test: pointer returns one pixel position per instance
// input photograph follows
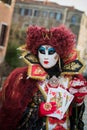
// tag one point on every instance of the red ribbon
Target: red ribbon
(59, 127)
(58, 123)
(55, 120)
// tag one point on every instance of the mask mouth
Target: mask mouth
(46, 62)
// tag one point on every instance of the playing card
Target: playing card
(62, 98)
(67, 100)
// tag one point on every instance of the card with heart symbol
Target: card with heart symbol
(62, 98)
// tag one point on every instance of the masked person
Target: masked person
(49, 93)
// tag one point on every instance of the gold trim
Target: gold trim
(42, 91)
(71, 73)
(32, 57)
(78, 52)
(81, 69)
(22, 47)
(31, 60)
(35, 77)
(47, 123)
(67, 119)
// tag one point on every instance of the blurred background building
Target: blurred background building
(6, 11)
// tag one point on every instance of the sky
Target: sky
(78, 4)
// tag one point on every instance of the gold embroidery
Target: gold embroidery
(39, 70)
(72, 66)
(45, 36)
(29, 58)
(47, 106)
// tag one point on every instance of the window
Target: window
(7, 1)
(26, 12)
(44, 13)
(75, 30)
(3, 30)
(58, 16)
(21, 11)
(36, 13)
(52, 15)
(30, 12)
(75, 19)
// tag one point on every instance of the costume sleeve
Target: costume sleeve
(17, 95)
(78, 87)
(31, 119)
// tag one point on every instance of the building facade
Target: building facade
(6, 11)
(48, 14)
(82, 41)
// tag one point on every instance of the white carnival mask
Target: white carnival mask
(47, 56)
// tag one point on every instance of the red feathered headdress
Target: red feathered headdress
(61, 38)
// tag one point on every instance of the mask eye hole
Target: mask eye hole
(42, 50)
(51, 51)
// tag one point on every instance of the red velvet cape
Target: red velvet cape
(18, 92)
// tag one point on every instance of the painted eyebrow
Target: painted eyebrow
(51, 49)
(41, 48)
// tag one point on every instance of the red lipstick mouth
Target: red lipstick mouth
(46, 62)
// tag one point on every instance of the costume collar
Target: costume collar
(35, 71)
(72, 65)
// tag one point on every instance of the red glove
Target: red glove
(47, 108)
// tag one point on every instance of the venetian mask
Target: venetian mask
(47, 56)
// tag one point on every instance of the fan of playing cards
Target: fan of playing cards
(62, 98)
